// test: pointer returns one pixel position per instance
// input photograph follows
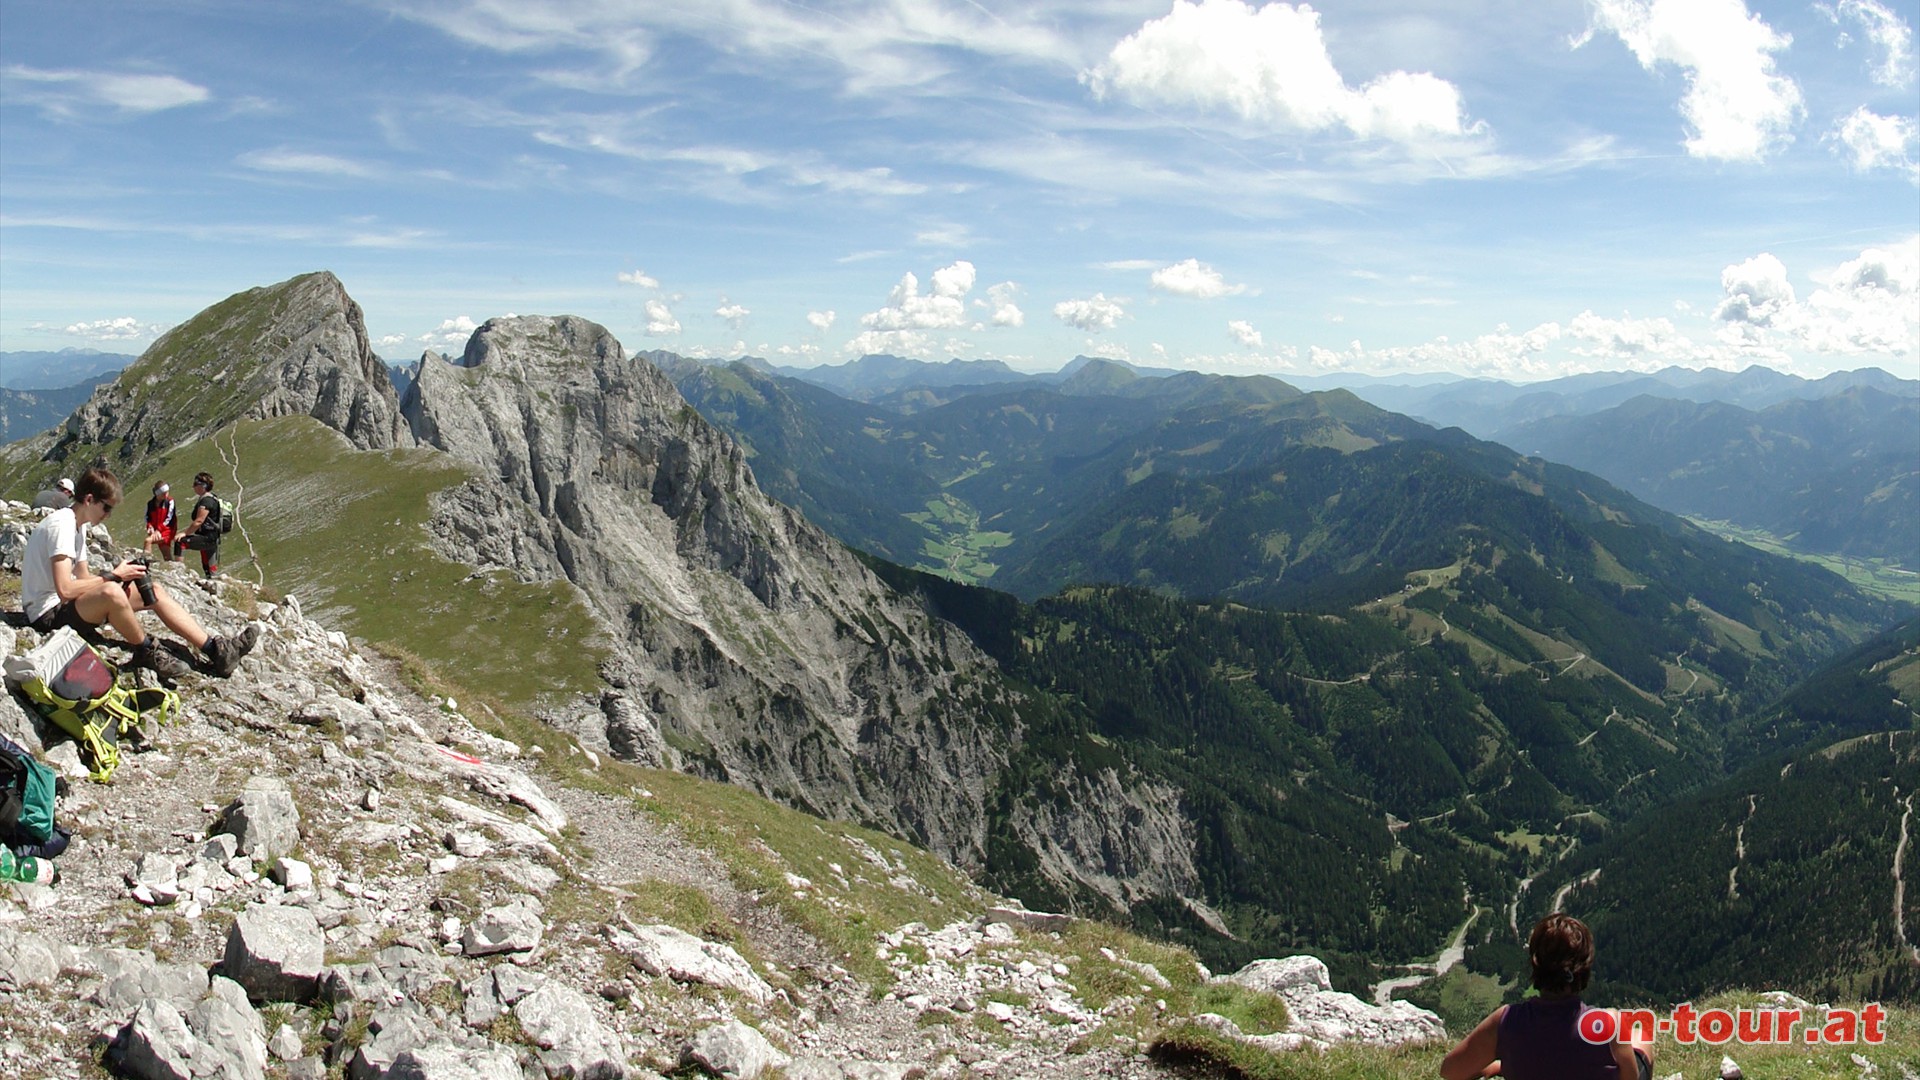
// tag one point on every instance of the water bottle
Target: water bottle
(29, 869)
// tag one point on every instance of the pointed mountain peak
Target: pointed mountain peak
(298, 348)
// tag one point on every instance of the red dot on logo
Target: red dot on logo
(1813, 1035)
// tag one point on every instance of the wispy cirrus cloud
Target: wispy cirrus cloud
(1889, 35)
(69, 92)
(307, 163)
(874, 46)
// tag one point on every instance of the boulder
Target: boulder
(30, 960)
(277, 953)
(665, 950)
(733, 1050)
(574, 1044)
(444, 1061)
(263, 820)
(509, 928)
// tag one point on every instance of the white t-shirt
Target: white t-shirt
(58, 535)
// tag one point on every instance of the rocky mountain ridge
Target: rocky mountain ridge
(320, 870)
(747, 644)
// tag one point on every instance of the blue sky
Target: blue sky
(1514, 188)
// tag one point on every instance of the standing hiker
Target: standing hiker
(202, 534)
(163, 520)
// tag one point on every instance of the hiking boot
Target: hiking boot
(149, 654)
(225, 653)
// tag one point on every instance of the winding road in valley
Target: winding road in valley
(1448, 959)
(1899, 882)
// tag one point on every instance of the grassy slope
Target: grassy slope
(339, 527)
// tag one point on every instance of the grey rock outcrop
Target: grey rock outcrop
(734, 1050)
(746, 631)
(1323, 1015)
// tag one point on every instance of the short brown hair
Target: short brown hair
(1560, 949)
(99, 483)
(204, 479)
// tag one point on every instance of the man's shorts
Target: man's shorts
(62, 615)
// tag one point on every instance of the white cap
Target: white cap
(65, 485)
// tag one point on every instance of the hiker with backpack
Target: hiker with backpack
(57, 588)
(212, 516)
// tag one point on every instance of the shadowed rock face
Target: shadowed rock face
(298, 348)
(765, 649)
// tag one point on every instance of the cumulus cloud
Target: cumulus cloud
(733, 314)
(1092, 315)
(1867, 304)
(1757, 292)
(124, 328)
(1891, 37)
(1195, 279)
(820, 320)
(1243, 332)
(1000, 298)
(64, 93)
(660, 320)
(1871, 141)
(388, 341)
(943, 308)
(1270, 65)
(639, 277)
(454, 331)
(1738, 106)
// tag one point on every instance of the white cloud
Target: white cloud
(1128, 264)
(1270, 65)
(1868, 304)
(454, 331)
(388, 341)
(1001, 299)
(1243, 332)
(660, 320)
(639, 277)
(734, 315)
(1195, 279)
(878, 47)
(943, 309)
(124, 328)
(1738, 106)
(1891, 36)
(820, 320)
(1757, 292)
(306, 164)
(1092, 315)
(1873, 141)
(64, 93)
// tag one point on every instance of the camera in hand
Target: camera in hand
(142, 583)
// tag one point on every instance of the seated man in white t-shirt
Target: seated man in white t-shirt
(57, 588)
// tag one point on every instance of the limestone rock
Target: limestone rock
(275, 952)
(444, 1061)
(509, 928)
(264, 821)
(734, 1050)
(665, 950)
(1319, 1012)
(574, 1044)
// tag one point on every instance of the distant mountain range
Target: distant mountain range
(1836, 474)
(57, 370)
(1825, 466)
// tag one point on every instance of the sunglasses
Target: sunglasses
(106, 508)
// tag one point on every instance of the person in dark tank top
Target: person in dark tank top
(1539, 1039)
